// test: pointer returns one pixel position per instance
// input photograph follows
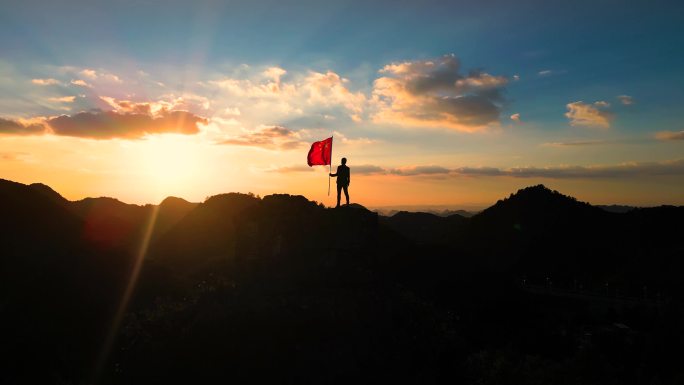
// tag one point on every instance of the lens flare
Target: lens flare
(103, 356)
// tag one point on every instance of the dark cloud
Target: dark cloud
(420, 170)
(273, 137)
(471, 110)
(626, 170)
(13, 127)
(367, 169)
(479, 171)
(635, 169)
(100, 124)
(430, 76)
(436, 93)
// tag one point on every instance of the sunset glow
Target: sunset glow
(434, 110)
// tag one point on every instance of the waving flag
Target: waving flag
(320, 153)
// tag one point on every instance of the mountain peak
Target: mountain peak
(539, 195)
(47, 191)
(535, 202)
(174, 201)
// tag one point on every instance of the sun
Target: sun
(171, 164)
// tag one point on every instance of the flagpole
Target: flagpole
(330, 164)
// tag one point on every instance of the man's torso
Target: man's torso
(342, 175)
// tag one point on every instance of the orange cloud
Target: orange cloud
(589, 115)
(45, 82)
(670, 135)
(63, 99)
(269, 137)
(95, 75)
(112, 124)
(21, 127)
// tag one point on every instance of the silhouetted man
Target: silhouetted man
(343, 179)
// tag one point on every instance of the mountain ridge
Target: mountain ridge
(239, 280)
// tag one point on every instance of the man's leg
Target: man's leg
(346, 194)
(339, 192)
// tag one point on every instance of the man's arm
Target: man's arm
(335, 174)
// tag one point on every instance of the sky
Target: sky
(442, 104)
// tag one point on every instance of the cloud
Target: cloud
(232, 111)
(434, 93)
(45, 82)
(515, 117)
(578, 143)
(368, 169)
(268, 137)
(670, 135)
(351, 141)
(623, 170)
(631, 169)
(21, 127)
(310, 94)
(478, 171)
(80, 83)
(329, 89)
(91, 74)
(274, 73)
(589, 115)
(129, 107)
(420, 170)
(544, 72)
(100, 124)
(626, 99)
(95, 75)
(363, 169)
(166, 103)
(63, 99)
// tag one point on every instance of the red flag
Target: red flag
(320, 153)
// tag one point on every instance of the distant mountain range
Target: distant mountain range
(69, 261)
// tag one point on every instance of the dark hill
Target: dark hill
(426, 228)
(31, 213)
(620, 209)
(48, 192)
(241, 230)
(110, 222)
(534, 209)
(206, 232)
(281, 289)
(171, 211)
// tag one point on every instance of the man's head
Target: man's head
(344, 160)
